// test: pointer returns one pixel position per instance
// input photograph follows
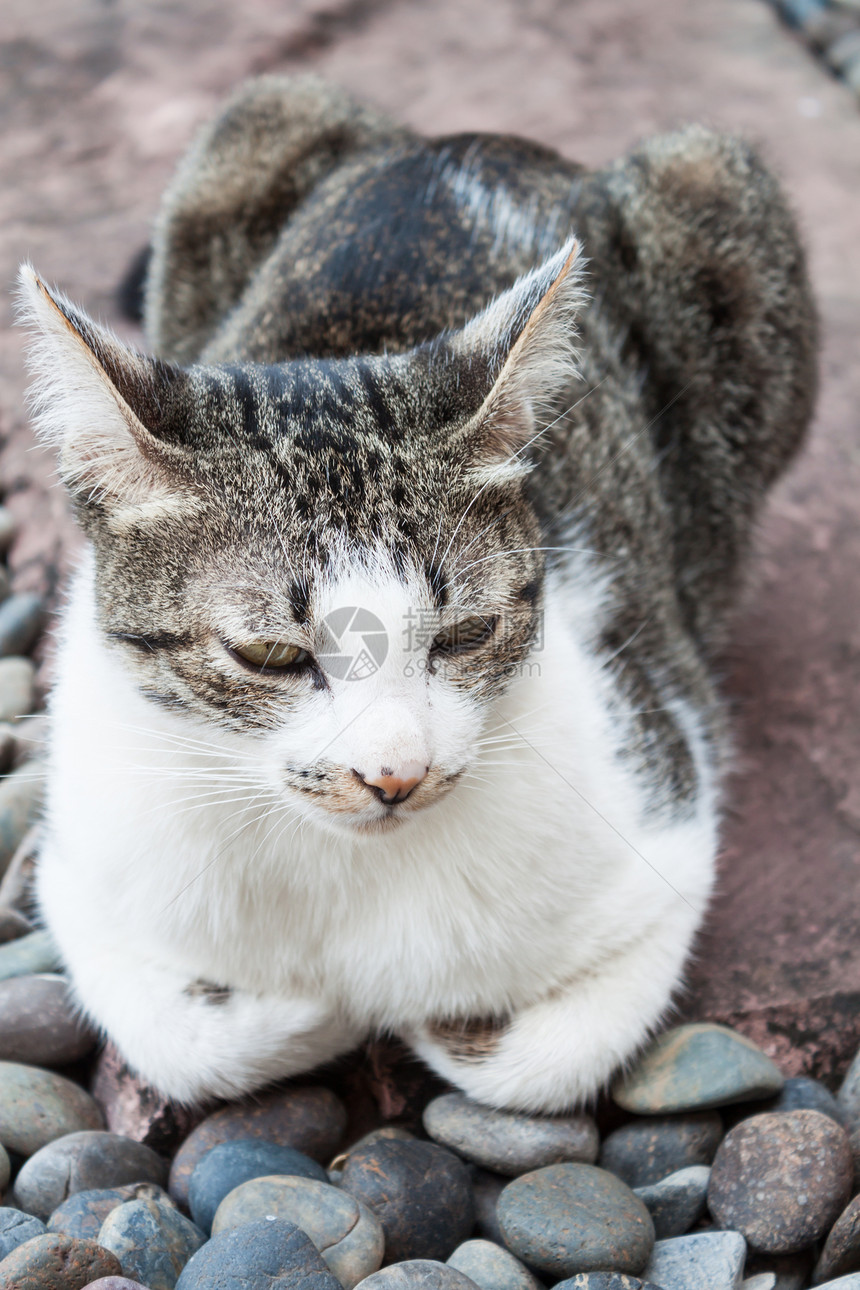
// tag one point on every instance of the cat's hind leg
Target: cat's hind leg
(559, 1052)
(246, 172)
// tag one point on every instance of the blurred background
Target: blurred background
(99, 100)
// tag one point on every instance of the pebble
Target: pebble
(848, 1097)
(37, 1106)
(677, 1202)
(80, 1162)
(505, 1142)
(136, 1109)
(39, 1023)
(13, 925)
(114, 1283)
(17, 688)
(22, 618)
(310, 1119)
(16, 1228)
(17, 884)
(695, 1067)
(419, 1274)
(841, 1253)
(645, 1151)
(781, 1179)
(21, 796)
(763, 1281)
(792, 1271)
(491, 1267)
(799, 1093)
(152, 1241)
(84, 1213)
(33, 953)
(575, 1218)
(486, 1190)
(225, 1167)
(388, 1131)
(604, 1281)
(5, 1169)
(56, 1262)
(266, 1255)
(349, 1237)
(702, 1261)
(420, 1192)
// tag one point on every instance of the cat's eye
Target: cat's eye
(464, 635)
(272, 654)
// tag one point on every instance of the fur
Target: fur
(386, 380)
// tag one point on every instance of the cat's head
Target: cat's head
(333, 562)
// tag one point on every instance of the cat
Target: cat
(386, 694)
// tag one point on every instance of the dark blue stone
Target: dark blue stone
(21, 620)
(265, 1255)
(233, 1163)
(16, 1228)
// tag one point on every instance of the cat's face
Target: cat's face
(333, 565)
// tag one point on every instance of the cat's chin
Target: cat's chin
(361, 825)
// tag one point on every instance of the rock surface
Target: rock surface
(16, 1228)
(349, 1237)
(225, 1167)
(420, 1192)
(17, 691)
(491, 1267)
(505, 1142)
(694, 1067)
(419, 1274)
(82, 1162)
(841, 1253)
(645, 1151)
(152, 1241)
(575, 1218)
(781, 1179)
(84, 1213)
(34, 952)
(486, 1190)
(310, 1119)
(701, 1261)
(56, 1262)
(39, 1024)
(677, 1202)
(137, 1110)
(604, 1281)
(264, 1255)
(37, 1106)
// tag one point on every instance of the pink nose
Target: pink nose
(392, 786)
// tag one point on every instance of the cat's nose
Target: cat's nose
(394, 784)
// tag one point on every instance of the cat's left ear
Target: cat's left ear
(526, 342)
(100, 403)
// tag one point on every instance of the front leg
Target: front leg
(559, 1052)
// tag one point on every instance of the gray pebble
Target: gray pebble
(388, 1132)
(848, 1097)
(21, 796)
(37, 1106)
(31, 954)
(695, 1067)
(84, 1213)
(647, 1150)
(80, 1162)
(16, 1228)
(799, 1093)
(677, 1202)
(841, 1253)
(505, 1142)
(22, 618)
(115, 1283)
(702, 1261)
(17, 884)
(226, 1166)
(152, 1241)
(491, 1267)
(418, 1274)
(265, 1255)
(349, 1237)
(604, 1281)
(575, 1218)
(39, 1023)
(792, 1271)
(762, 1281)
(17, 688)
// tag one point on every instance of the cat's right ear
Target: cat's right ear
(98, 402)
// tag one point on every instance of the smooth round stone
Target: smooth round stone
(32, 953)
(677, 1202)
(491, 1267)
(604, 1281)
(349, 1237)
(56, 1262)
(39, 1023)
(695, 1067)
(115, 1283)
(781, 1179)
(702, 1261)
(37, 1106)
(418, 1274)
(22, 618)
(848, 1097)
(152, 1241)
(16, 1228)
(421, 1194)
(841, 1253)
(575, 1218)
(645, 1151)
(83, 1214)
(81, 1162)
(266, 1255)
(508, 1143)
(17, 688)
(21, 795)
(310, 1119)
(791, 1271)
(763, 1281)
(799, 1093)
(385, 1133)
(225, 1167)
(486, 1190)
